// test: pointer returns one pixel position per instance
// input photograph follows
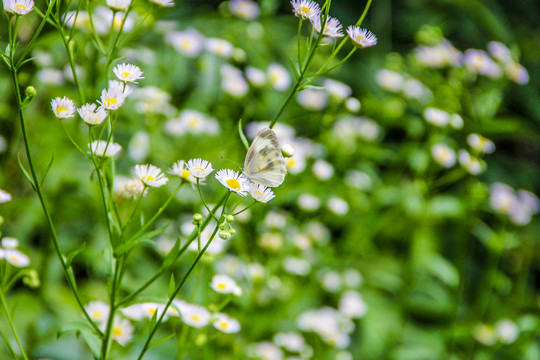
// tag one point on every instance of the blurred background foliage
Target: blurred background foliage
(439, 267)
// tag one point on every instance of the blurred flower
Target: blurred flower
(367, 129)
(271, 241)
(308, 202)
(219, 47)
(479, 61)
(444, 155)
(3, 144)
(150, 175)
(103, 18)
(90, 116)
(216, 246)
(443, 54)
(436, 117)
(144, 310)
(312, 99)
(305, 9)
(114, 97)
(260, 192)
(50, 76)
(191, 121)
(500, 52)
(352, 278)
(456, 121)
(189, 42)
(63, 108)
(265, 351)
(256, 77)
(470, 163)
(353, 104)
(193, 315)
(291, 341)
(296, 266)
(233, 181)
(344, 355)
(502, 198)
(139, 146)
(15, 257)
(18, 7)
(389, 80)
(133, 188)
(331, 281)
(80, 20)
(104, 148)
(122, 331)
(337, 89)
(199, 168)
(233, 82)
(275, 219)
(352, 305)
(164, 245)
(507, 331)
(10, 243)
(338, 206)
(245, 9)
(4, 196)
(485, 334)
(330, 324)
(151, 100)
(163, 3)
(361, 37)
(181, 170)
(98, 311)
(118, 5)
(332, 27)
(226, 324)
(278, 77)
(323, 170)
(128, 73)
(225, 285)
(517, 73)
(519, 207)
(414, 89)
(358, 179)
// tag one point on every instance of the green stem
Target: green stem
(72, 65)
(10, 321)
(8, 344)
(71, 139)
(204, 202)
(105, 344)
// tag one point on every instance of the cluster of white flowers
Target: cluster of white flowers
(349, 129)
(102, 18)
(520, 206)
(122, 330)
(310, 10)
(9, 252)
(198, 316)
(333, 326)
(503, 332)
(244, 9)
(477, 61)
(441, 118)
(192, 122)
(410, 87)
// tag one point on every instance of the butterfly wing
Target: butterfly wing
(264, 163)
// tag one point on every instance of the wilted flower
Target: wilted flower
(63, 108)
(133, 187)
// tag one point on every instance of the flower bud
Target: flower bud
(30, 92)
(225, 234)
(31, 279)
(287, 150)
(222, 226)
(229, 219)
(232, 231)
(197, 218)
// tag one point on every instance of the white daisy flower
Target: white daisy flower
(436, 117)
(63, 108)
(150, 175)
(16, 258)
(500, 52)
(133, 188)
(233, 181)
(164, 3)
(98, 311)
(104, 149)
(480, 143)
(18, 7)
(361, 37)
(353, 104)
(181, 170)
(245, 9)
(479, 62)
(444, 155)
(517, 73)
(226, 324)
(10, 243)
(389, 80)
(193, 315)
(220, 47)
(352, 305)
(470, 163)
(261, 193)
(122, 331)
(278, 77)
(199, 168)
(118, 5)
(332, 28)
(114, 97)
(256, 77)
(312, 99)
(225, 285)
(337, 89)
(90, 116)
(144, 310)
(128, 73)
(189, 42)
(305, 9)
(4, 196)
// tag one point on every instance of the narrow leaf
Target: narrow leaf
(171, 256)
(157, 342)
(26, 173)
(242, 135)
(172, 286)
(24, 62)
(122, 249)
(47, 170)
(72, 256)
(295, 70)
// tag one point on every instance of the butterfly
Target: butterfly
(264, 162)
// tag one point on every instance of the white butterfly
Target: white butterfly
(264, 163)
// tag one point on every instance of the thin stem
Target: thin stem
(247, 207)
(8, 344)
(72, 65)
(202, 198)
(105, 344)
(71, 139)
(10, 321)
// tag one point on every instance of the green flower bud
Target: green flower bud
(287, 150)
(30, 92)
(222, 226)
(31, 279)
(225, 235)
(201, 339)
(232, 231)
(229, 219)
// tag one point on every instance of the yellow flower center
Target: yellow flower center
(14, 258)
(221, 286)
(305, 10)
(19, 7)
(146, 178)
(110, 101)
(199, 169)
(291, 162)
(152, 311)
(117, 22)
(185, 174)
(117, 331)
(126, 74)
(195, 317)
(223, 324)
(185, 44)
(193, 122)
(234, 184)
(96, 314)
(60, 109)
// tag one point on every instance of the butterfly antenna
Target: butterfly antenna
(234, 162)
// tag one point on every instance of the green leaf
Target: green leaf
(122, 249)
(172, 286)
(6, 59)
(72, 256)
(242, 135)
(26, 173)
(83, 329)
(24, 62)
(47, 170)
(171, 256)
(313, 87)
(157, 342)
(295, 70)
